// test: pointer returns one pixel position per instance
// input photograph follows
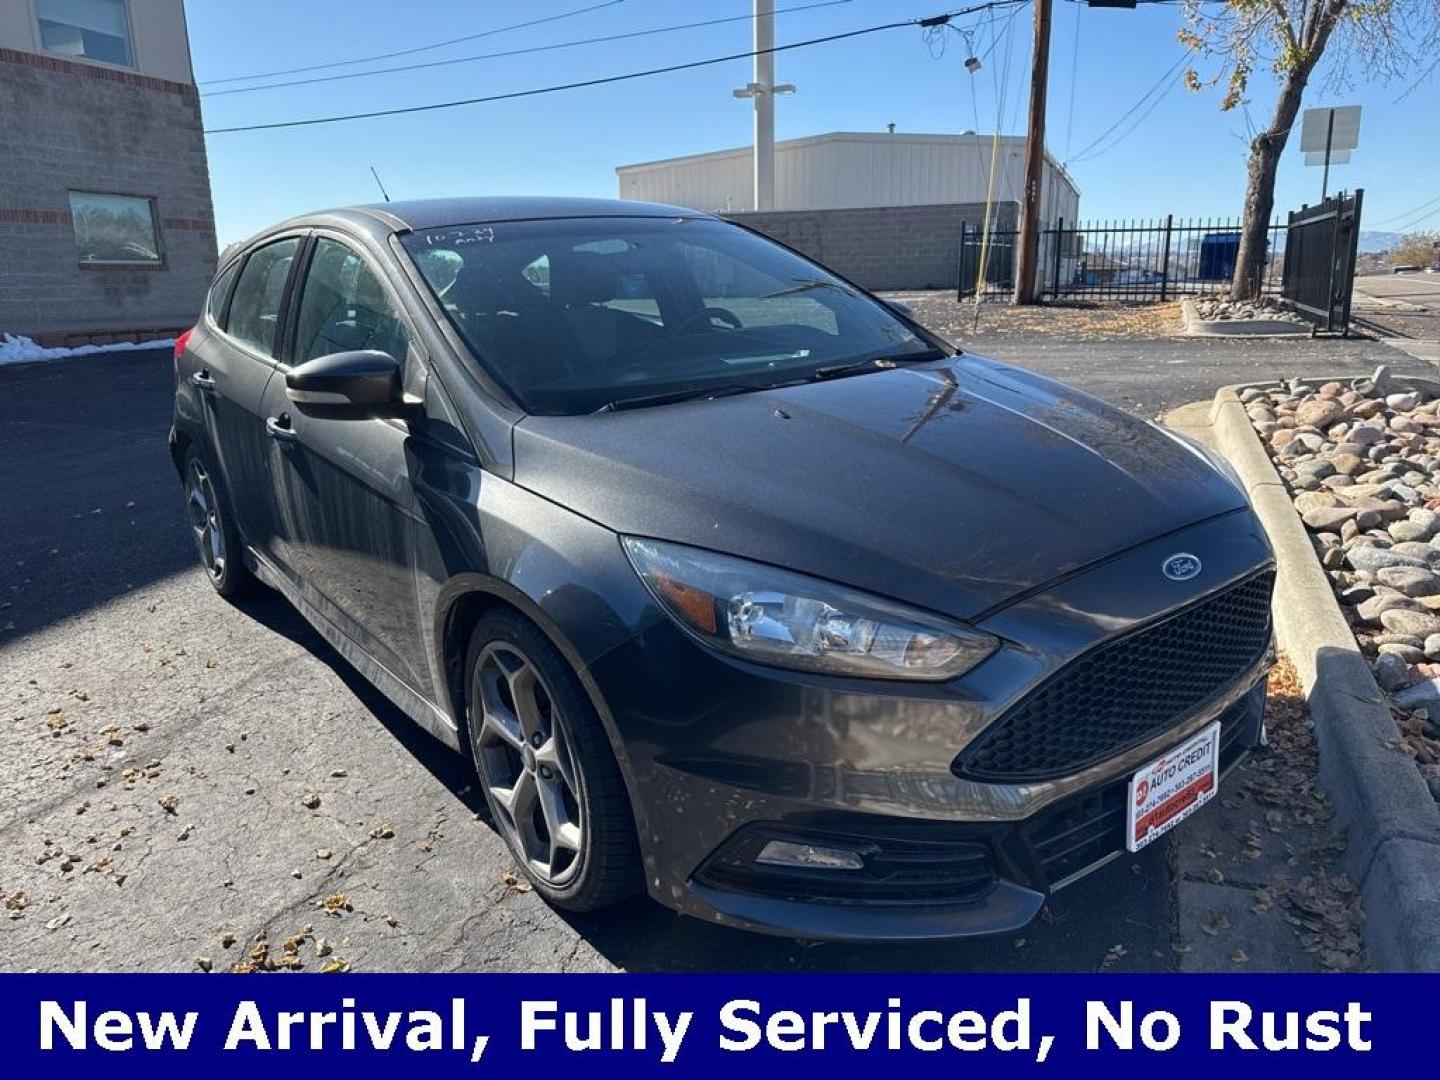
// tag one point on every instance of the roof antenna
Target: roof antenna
(380, 183)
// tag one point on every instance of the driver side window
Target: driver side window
(345, 308)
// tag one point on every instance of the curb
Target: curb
(1393, 822)
(1195, 326)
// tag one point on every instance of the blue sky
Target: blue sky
(1185, 157)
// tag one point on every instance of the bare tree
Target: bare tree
(1416, 249)
(1382, 38)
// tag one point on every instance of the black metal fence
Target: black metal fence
(1320, 249)
(1159, 259)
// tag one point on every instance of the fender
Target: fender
(469, 584)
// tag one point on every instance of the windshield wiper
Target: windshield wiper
(875, 363)
(805, 285)
(642, 401)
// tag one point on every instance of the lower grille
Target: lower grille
(1081, 832)
(1126, 691)
(898, 872)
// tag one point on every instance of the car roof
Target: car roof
(470, 210)
(380, 219)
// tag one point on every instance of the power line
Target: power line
(925, 23)
(515, 52)
(1074, 68)
(1408, 213)
(418, 48)
(1162, 86)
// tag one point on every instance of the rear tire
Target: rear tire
(551, 782)
(212, 526)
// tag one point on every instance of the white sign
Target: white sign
(1172, 787)
(1317, 133)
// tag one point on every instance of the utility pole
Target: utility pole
(763, 91)
(1027, 271)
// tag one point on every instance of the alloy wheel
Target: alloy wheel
(204, 511)
(523, 753)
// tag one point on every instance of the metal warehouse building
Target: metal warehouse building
(884, 209)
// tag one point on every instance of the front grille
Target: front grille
(897, 872)
(1082, 831)
(1126, 691)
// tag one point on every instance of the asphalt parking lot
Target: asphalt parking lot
(190, 783)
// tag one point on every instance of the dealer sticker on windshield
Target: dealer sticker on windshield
(1172, 787)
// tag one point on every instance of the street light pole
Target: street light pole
(764, 105)
(1027, 271)
(763, 91)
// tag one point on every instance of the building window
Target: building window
(115, 229)
(92, 29)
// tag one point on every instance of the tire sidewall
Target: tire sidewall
(235, 577)
(562, 686)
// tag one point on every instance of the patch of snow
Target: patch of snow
(21, 350)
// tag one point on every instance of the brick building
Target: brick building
(884, 209)
(107, 231)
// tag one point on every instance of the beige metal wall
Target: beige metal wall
(853, 170)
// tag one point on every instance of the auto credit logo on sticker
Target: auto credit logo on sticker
(1182, 566)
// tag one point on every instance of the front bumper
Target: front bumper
(715, 750)
(943, 879)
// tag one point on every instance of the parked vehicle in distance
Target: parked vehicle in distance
(739, 586)
(1405, 269)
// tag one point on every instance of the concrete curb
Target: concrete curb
(1394, 823)
(1195, 326)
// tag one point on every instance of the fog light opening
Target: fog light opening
(808, 856)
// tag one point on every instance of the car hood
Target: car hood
(954, 486)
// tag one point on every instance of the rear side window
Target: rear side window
(220, 291)
(344, 308)
(255, 308)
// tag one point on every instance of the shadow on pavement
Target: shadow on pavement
(91, 499)
(273, 611)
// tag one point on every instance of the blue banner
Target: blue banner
(662, 1025)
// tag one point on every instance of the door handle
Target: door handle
(203, 380)
(278, 427)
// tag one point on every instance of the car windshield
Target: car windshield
(579, 314)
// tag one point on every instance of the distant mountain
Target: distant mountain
(1374, 243)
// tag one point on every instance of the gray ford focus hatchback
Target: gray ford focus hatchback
(739, 587)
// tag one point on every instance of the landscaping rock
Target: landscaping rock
(1320, 412)
(1370, 557)
(1371, 609)
(1392, 672)
(1420, 624)
(1408, 654)
(1330, 518)
(1410, 580)
(1421, 695)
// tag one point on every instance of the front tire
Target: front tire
(212, 527)
(550, 779)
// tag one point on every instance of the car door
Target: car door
(232, 368)
(346, 505)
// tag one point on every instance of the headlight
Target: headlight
(773, 616)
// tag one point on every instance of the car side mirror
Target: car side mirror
(902, 309)
(356, 385)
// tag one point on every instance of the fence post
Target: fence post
(1059, 239)
(1351, 249)
(1165, 260)
(960, 263)
(1335, 231)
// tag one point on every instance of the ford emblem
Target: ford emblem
(1182, 566)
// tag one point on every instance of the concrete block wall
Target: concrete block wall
(899, 247)
(69, 125)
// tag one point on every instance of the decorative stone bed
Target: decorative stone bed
(1362, 466)
(1267, 308)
